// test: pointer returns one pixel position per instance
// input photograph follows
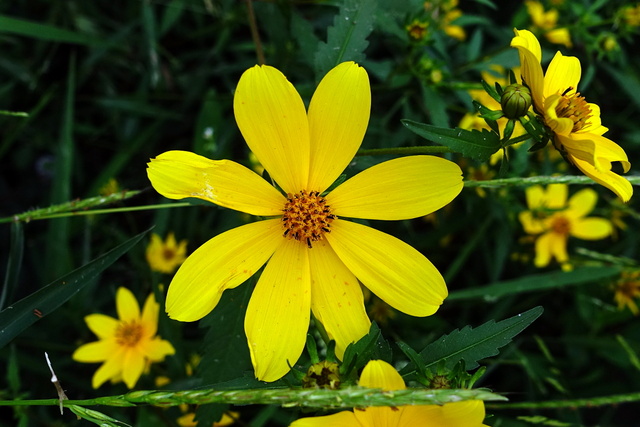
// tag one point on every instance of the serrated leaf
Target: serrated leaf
(19, 316)
(470, 143)
(472, 345)
(347, 38)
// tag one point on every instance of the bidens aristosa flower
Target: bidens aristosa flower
(165, 257)
(576, 125)
(314, 258)
(379, 374)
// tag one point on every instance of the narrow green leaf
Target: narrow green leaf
(474, 144)
(347, 38)
(14, 262)
(537, 282)
(47, 32)
(19, 316)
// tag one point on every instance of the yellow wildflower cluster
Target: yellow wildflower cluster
(546, 22)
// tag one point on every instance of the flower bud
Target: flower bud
(515, 101)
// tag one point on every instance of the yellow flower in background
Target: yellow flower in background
(417, 30)
(166, 257)
(126, 345)
(547, 23)
(553, 219)
(627, 290)
(445, 12)
(379, 374)
(189, 420)
(315, 260)
(576, 124)
(631, 15)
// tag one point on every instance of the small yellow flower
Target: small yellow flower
(631, 15)
(126, 346)
(417, 30)
(379, 374)
(576, 124)
(547, 22)
(627, 290)
(189, 419)
(315, 260)
(166, 257)
(553, 219)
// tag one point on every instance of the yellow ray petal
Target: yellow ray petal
(559, 125)
(535, 196)
(223, 262)
(157, 349)
(181, 174)
(581, 203)
(336, 297)
(103, 326)
(469, 413)
(531, 224)
(591, 228)
(380, 416)
(594, 124)
(530, 57)
(393, 270)
(127, 305)
(543, 250)
(558, 247)
(563, 73)
(132, 367)
(402, 188)
(380, 374)
(273, 121)
(341, 419)
(278, 313)
(338, 118)
(97, 351)
(110, 369)
(556, 196)
(612, 181)
(150, 313)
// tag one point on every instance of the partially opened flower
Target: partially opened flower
(575, 124)
(379, 374)
(553, 219)
(165, 257)
(126, 345)
(315, 260)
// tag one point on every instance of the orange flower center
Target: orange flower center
(574, 107)
(128, 334)
(306, 217)
(561, 225)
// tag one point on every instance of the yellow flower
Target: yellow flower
(575, 123)
(315, 258)
(631, 15)
(379, 374)
(189, 419)
(554, 219)
(165, 257)
(417, 30)
(126, 346)
(547, 22)
(627, 290)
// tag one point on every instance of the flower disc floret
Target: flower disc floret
(306, 218)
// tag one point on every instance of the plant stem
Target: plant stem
(572, 404)
(542, 180)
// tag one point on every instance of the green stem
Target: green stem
(516, 140)
(542, 180)
(427, 149)
(572, 404)
(348, 397)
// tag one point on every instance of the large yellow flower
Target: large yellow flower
(126, 346)
(379, 374)
(575, 123)
(315, 258)
(554, 219)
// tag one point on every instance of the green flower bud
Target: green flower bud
(515, 101)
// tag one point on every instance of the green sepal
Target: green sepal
(478, 145)
(485, 113)
(491, 91)
(537, 131)
(371, 346)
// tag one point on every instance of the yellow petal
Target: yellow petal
(535, 196)
(338, 118)
(559, 125)
(563, 73)
(594, 124)
(336, 297)
(393, 270)
(273, 121)
(110, 369)
(608, 179)
(402, 188)
(278, 313)
(583, 149)
(150, 312)
(97, 351)
(556, 196)
(380, 416)
(380, 374)
(341, 419)
(157, 349)
(103, 326)
(223, 262)
(543, 250)
(127, 305)
(581, 203)
(181, 174)
(591, 228)
(530, 57)
(132, 367)
(560, 36)
(469, 413)
(558, 247)
(531, 224)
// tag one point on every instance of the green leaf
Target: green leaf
(371, 346)
(537, 282)
(472, 345)
(474, 144)
(347, 38)
(19, 316)
(14, 262)
(47, 32)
